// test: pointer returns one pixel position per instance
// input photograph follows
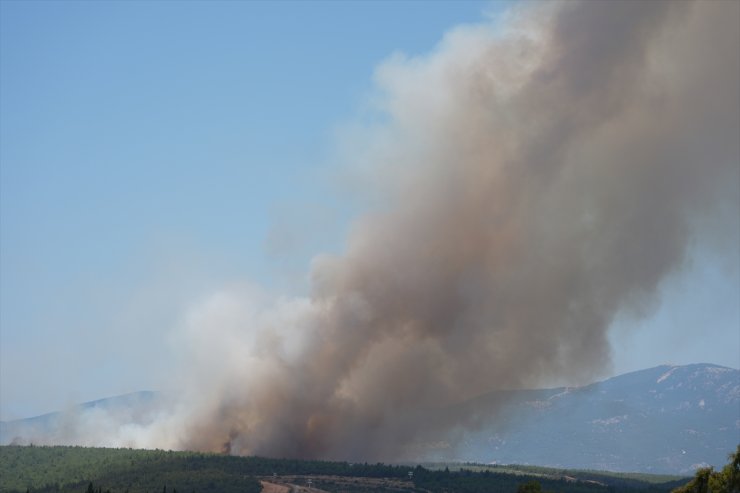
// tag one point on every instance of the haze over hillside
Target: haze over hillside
(667, 419)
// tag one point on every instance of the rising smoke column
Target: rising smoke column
(539, 177)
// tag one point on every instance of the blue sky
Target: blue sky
(151, 151)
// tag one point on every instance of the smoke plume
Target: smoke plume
(539, 175)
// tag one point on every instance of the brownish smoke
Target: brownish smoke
(539, 177)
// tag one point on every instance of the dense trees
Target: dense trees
(70, 469)
(86, 470)
(706, 480)
(91, 489)
(466, 481)
(530, 487)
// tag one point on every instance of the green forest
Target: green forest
(37, 469)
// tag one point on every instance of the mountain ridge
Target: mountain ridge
(665, 419)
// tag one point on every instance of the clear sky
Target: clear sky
(153, 151)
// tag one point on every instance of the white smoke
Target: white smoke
(536, 179)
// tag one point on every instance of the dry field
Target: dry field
(299, 484)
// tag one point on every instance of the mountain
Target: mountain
(94, 417)
(667, 419)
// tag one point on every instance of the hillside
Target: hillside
(667, 419)
(59, 428)
(70, 469)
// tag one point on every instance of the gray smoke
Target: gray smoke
(539, 177)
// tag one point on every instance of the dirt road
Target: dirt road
(274, 488)
(268, 487)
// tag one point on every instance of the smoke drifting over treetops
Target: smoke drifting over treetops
(539, 176)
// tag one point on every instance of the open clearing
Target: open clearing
(299, 484)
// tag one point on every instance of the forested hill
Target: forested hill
(72, 469)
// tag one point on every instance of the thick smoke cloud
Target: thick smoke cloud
(539, 176)
(538, 179)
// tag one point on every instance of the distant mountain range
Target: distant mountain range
(85, 423)
(667, 419)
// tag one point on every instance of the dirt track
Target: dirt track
(298, 484)
(268, 487)
(274, 488)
